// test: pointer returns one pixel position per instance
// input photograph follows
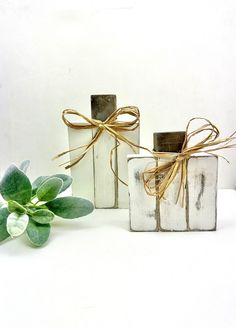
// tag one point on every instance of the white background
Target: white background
(173, 59)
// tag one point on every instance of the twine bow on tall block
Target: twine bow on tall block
(112, 125)
(158, 179)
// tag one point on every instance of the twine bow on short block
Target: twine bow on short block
(158, 179)
(112, 125)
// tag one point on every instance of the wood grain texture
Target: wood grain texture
(168, 141)
(102, 106)
(172, 215)
(82, 173)
(122, 152)
(142, 208)
(202, 192)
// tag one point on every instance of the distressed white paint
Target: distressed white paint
(199, 209)
(122, 152)
(202, 189)
(142, 206)
(172, 215)
(82, 173)
(92, 177)
(105, 182)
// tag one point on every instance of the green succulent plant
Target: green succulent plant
(30, 208)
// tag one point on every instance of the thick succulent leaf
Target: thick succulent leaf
(49, 189)
(67, 181)
(42, 216)
(24, 166)
(37, 183)
(15, 185)
(16, 224)
(4, 213)
(14, 206)
(70, 207)
(38, 234)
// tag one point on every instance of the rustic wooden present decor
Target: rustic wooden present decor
(93, 176)
(150, 213)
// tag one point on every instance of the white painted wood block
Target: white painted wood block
(122, 152)
(82, 173)
(105, 182)
(142, 207)
(202, 192)
(199, 212)
(93, 177)
(172, 215)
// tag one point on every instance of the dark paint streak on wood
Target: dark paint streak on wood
(203, 181)
(151, 215)
(137, 176)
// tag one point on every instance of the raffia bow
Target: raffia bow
(158, 179)
(112, 125)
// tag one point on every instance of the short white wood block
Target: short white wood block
(199, 212)
(82, 173)
(172, 215)
(142, 207)
(105, 182)
(202, 192)
(122, 152)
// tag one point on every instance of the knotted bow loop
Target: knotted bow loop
(112, 125)
(112, 122)
(206, 133)
(159, 178)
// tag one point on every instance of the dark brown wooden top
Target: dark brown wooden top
(102, 106)
(168, 141)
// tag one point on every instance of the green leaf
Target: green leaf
(14, 206)
(42, 216)
(49, 189)
(38, 234)
(15, 185)
(4, 213)
(70, 207)
(16, 224)
(24, 166)
(67, 181)
(37, 183)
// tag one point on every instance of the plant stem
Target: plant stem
(41, 206)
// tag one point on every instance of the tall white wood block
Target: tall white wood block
(142, 208)
(200, 207)
(122, 152)
(82, 173)
(202, 192)
(93, 177)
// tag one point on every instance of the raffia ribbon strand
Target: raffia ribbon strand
(158, 179)
(111, 125)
